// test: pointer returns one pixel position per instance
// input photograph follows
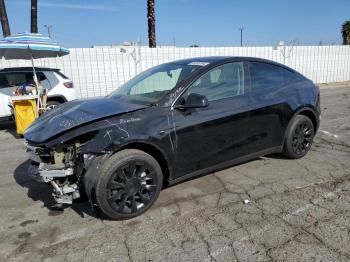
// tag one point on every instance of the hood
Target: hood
(76, 113)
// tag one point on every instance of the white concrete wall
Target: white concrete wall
(98, 71)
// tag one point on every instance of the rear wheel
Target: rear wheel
(299, 137)
(129, 183)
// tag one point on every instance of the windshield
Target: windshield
(152, 85)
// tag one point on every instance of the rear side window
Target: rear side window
(43, 80)
(267, 77)
(52, 78)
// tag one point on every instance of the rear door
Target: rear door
(218, 133)
(270, 111)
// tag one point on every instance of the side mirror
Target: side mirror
(194, 101)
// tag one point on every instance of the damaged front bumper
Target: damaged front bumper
(41, 172)
(63, 179)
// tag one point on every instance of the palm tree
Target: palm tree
(34, 17)
(151, 24)
(4, 20)
(346, 32)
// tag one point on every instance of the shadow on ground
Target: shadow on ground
(42, 192)
(9, 126)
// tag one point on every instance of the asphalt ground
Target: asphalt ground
(268, 209)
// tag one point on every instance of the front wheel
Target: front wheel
(129, 183)
(299, 137)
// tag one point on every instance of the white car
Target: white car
(60, 87)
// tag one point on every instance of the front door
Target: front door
(218, 133)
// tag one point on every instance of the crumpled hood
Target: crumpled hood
(75, 113)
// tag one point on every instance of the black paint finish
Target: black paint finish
(75, 113)
(187, 141)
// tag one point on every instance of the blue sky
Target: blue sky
(82, 23)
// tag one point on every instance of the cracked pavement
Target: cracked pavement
(299, 210)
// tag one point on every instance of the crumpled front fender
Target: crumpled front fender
(93, 165)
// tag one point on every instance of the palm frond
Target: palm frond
(346, 28)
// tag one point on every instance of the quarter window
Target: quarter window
(222, 82)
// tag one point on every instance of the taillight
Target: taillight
(68, 84)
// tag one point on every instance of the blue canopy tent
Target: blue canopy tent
(29, 46)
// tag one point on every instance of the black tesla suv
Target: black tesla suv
(170, 123)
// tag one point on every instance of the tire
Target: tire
(121, 194)
(299, 137)
(52, 104)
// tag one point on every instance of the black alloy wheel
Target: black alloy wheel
(302, 138)
(299, 137)
(132, 187)
(129, 183)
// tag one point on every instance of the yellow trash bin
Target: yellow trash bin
(25, 112)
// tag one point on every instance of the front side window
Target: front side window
(152, 85)
(222, 82)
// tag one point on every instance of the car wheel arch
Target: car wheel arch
(310, 114)
(57, 98)
(306, 111)
(91, 174)
(155, 152)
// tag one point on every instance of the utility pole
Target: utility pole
(48, 30)
(241, 29)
